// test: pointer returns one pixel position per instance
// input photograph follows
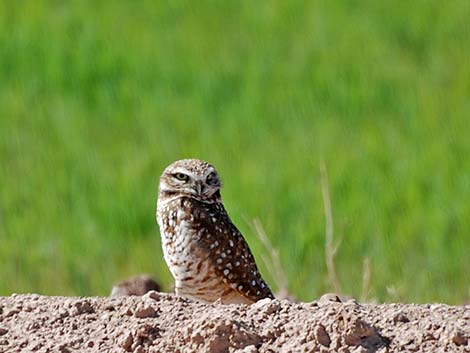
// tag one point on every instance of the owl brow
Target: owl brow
(211, 171)
(179, 171)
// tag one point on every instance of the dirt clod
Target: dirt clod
(126, 341)
(399, 317)
(165, 323)
(81, 307)
(322, 336)
(459, 339)
(143, 311)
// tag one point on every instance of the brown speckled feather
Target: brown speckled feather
(228, 251)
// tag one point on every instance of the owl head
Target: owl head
(193, 178)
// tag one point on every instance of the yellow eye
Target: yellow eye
(181, 176)
(211, 179)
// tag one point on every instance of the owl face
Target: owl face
(191, 177)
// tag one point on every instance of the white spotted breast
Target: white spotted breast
(206, 253)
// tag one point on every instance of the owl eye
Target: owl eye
(211, 179)
(181, 176)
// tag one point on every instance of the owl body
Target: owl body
(206, 254)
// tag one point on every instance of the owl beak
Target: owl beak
(199, 188)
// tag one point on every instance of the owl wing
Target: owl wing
(230, 254)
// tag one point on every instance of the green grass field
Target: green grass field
(97, 97)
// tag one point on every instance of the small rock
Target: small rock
(91, 317)
(126, 341)
(351, 301)
(360, 333)
(436, 306)
(261, 303)
(145, 311)
(269, 306)
(400, 317)
(154, 295)
(30, 327)
(63, 349)
(459, 339)
(110, 307)
(241, 338)
(3, 331)
(360, 349)
(35, 346)
(139, 349)
(429, 336)
(12, 312)
(23, 343)
(248, 349)
(322, 336)
(328, 298)
(81, 307)
(62, 313)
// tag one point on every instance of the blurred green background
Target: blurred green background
(97, 97)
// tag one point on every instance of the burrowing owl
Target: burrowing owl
(207, 255)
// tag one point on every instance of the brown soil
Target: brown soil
(164, 323)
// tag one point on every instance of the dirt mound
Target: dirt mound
(164, 323)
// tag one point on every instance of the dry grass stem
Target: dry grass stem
(365, 279)
(330, 248)
(273, 265)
